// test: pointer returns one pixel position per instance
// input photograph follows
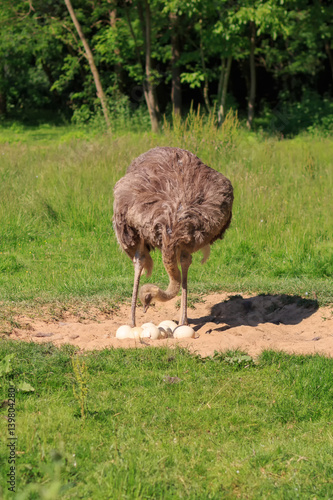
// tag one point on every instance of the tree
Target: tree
(176, 89)
(197, 72)
(149, 83)
(16, 53)
(222, 88)
(253, 79)
(90, 58)
(133, 49)
(216, 39)
(259, 18)
(227, 45)
(140, 30)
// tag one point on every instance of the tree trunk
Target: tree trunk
(3, 104)
(90, 58)
(137, 51)
(223, 87)
(117, 66)
(252, 95)
(3, 96)
(176, 91)
(149, 87)
(206, 86)
(329, 55)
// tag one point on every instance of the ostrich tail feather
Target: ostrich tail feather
(205, 254)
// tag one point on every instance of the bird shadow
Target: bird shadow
(275, 309)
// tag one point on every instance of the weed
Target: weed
(80, 385)
(235, 359)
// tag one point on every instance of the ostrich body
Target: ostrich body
(169, 200)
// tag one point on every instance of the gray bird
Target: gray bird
(169, 199)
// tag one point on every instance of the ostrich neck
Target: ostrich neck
(171, 267)
(169, 293)
(170, 264)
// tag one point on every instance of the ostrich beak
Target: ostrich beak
(145, 308)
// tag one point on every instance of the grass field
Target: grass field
(161, 424)
(56, 236)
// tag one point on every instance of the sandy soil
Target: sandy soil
(221, 322)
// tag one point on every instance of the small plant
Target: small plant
(80, 385)
(235, 359)
(6, 365)
(6, 371)
(239, 361)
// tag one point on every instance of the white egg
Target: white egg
(123, 332)
(147, 324)
(168, 324)
(151, 331)
(145, 334)
(183, 331)
(136, 332)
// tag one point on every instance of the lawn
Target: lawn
(160, 423)
(56, 236)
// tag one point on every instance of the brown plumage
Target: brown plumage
(169, 200)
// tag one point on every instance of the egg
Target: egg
(183, 331)
(123, 332)
(147, 324)
(167, 324)
(136, 332)
(150, 331)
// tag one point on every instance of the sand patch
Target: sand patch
(221, 321)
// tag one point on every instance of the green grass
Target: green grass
(224, 430)
(15, 132)
(56, 236)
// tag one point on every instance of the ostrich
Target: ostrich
(169, 200)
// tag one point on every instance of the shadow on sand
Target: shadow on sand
(276, 309)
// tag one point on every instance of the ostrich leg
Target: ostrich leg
(185, 262)
(138, 262)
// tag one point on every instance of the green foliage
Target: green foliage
(236, 360)
(311, 113)
(122, 115)
(7, 371)
(24, 387)
(5, 365)
(252, 432)
(43, 65)
(199, 132)
(80, 385)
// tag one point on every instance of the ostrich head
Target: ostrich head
(147, 293)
